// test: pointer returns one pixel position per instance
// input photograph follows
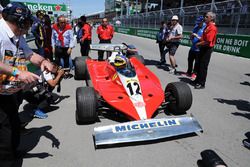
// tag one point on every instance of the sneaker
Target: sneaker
(40, 114)
(193, 76)
(172, 71)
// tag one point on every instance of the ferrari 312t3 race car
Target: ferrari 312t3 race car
(123, 84)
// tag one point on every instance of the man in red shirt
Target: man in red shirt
(206, 46)
(85, 40)
(105, 34)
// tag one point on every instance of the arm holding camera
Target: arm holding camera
(54, 81)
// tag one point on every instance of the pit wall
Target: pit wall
(238, 45)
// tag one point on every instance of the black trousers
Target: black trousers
(61, 53)
(9, 127)
(85, 47)
(40, 100)
(203, 62)
(101, 53)
(162, 51)
(192, 62)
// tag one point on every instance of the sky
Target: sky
(79, 7)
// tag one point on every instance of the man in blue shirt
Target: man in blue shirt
(194, 50)
(62, 42)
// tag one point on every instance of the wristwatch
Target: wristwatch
(15, 72)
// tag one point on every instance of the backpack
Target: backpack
(79, 35)
(160, 36)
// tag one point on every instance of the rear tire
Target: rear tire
(179, 97)
(81, 70)
(86, 105)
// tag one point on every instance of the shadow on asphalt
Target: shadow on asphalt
(30, 141)
(27, 114)
(240, 104)
(164, 67)
(186, 80)
(246, 83)
(151, 62)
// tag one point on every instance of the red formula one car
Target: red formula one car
(124, 84)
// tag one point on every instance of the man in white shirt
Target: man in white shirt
(174, 39)
(14, 54)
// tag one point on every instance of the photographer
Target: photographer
(41, 94)
(14, 56)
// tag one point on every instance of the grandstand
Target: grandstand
(95, 17)
(233, 16)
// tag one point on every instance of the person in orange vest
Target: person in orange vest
(206, 45)
(105, 34)
(85, 40)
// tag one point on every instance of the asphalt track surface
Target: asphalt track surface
(222, 108)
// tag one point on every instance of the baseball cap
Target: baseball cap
(199, 20)
(40, 12)
(175, 17)
(17, 9)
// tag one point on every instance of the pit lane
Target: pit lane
(222, 108)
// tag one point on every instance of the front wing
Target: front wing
(145, 130)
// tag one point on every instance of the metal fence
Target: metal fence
(233, 17)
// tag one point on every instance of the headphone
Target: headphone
(19, 12)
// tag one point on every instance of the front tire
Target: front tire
(179, 98)
(86, 105)
(81, 70)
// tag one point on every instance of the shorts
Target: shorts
(172, 46)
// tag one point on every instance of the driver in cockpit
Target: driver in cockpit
(121, 63)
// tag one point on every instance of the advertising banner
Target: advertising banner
(46, 7)
(238, 45)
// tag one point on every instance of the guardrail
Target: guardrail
(233, 16)
(238, 45)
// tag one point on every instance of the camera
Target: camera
(41, 90)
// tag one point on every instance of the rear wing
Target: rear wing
(108, 47)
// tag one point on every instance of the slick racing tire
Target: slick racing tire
(179, 98)
(139, 57)
(86, 105)
(81, 70)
